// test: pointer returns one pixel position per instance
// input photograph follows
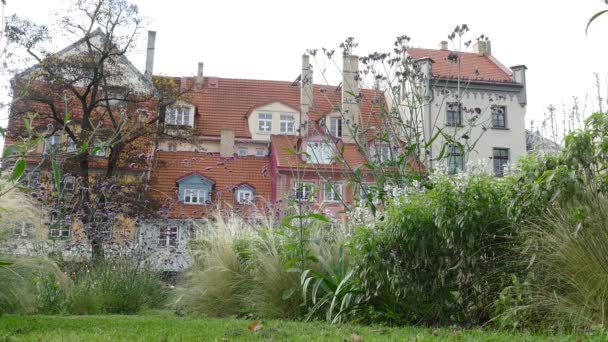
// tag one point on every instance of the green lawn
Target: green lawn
(169, 327)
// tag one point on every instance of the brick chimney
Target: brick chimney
(351, 111)
(306, 94)
(150, 54)
(443, 45)
(483, 47)
(226, 143)
(199, 76)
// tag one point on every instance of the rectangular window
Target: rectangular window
(243, 151)
(264, 122)
(287, 124)
(499, 117)
(501, 159)
(303, 191)
(319, 152)
(260, 152)
(60, 226)
(244, 196)
(383, 153)
(31, 179)
(103, 226)
(167, 236)
(69, 183)
(196, 196)
(454, 114)
(23, 229)
(179, 116)
(172, 147)
(51, 144)
(335, 127)
(332, 192)
(455, 159)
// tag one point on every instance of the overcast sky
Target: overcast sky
(265, 39)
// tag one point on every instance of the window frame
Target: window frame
(179, 111)
(451, 114)
(168, 234)
(336, 189)
(502, 160)
(60, 225)
(241, 149)
(265, 123)
(263, 150)
(191, 191)
(496, 116)
(335, 123)
(304, 191)
(453, 165)
(52, 144)
(287, 123)
(326, 152)
(244, 190)
(22, 229)
(383, 153)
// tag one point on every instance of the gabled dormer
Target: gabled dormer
(275, 117)
(180, 114)
(244, 193)
(195, 189)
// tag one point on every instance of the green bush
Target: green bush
(437, 255)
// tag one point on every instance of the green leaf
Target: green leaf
(593, 18)
(288, 293)
(56, 175)
(18, 170)
(317, 216)
(10, 150)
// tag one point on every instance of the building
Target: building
(475, 100)
(261, 148)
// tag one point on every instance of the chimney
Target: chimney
(483, 47)
(226, 143)
(351, 111)
(443, 45)
(150, 54)
(306, 95)
(199, 76)
(519, 76)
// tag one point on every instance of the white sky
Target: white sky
(265, 39)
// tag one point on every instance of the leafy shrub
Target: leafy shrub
(437, 255)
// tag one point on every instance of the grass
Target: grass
(166, 326)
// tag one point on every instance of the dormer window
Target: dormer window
(287, 124)
(265, 123)
(318, 152)
(244, 194)
(195, 189)
(335, 126)
(180, 115)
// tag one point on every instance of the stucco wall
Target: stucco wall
(276, 109)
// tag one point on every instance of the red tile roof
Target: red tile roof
(229, 104)
(472, 66)
(228, 173)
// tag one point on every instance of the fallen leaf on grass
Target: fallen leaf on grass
(255, 326)
(354, 337)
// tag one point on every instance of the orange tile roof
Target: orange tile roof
(229, 104)
(472, 66)
(227, 173)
